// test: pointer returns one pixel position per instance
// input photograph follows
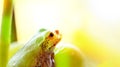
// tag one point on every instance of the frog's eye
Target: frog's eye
(51, 34)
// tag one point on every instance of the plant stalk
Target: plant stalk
(5, 32)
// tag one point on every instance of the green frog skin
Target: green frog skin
(38, 51)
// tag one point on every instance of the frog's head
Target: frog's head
(51, 39)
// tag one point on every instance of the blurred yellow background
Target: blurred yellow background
(92, 25)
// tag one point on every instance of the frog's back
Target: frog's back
(29, 51)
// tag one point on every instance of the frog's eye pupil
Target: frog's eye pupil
(51, 34)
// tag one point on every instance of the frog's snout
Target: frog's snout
(57, 31)
(59, 36)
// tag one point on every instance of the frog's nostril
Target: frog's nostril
(57, 31)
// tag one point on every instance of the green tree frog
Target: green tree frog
(38, 51)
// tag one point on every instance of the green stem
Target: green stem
(5, 32)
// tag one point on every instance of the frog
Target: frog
(38, 51)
